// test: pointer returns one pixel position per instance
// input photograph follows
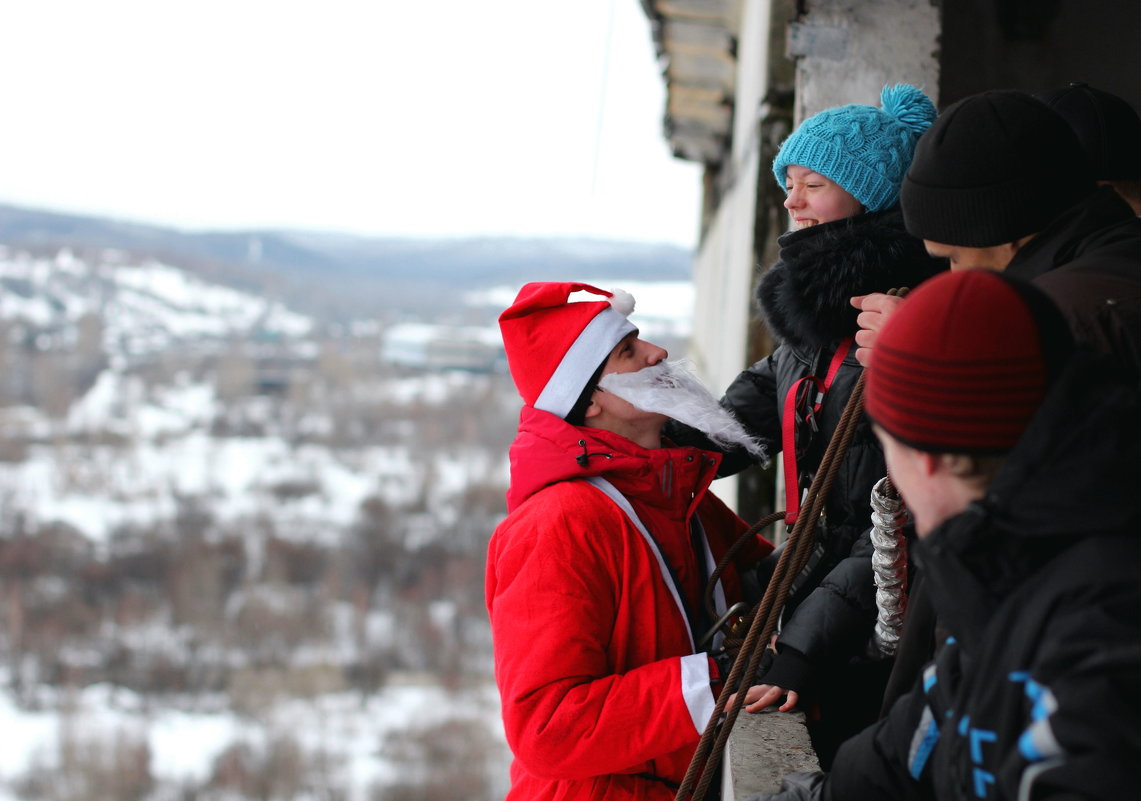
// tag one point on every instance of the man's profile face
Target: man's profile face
(911, 472)
(632, 354)
(662, 390)
(996, 257)
(609, 411)
(929, 484)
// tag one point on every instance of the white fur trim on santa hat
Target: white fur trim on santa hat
(622, 301)
(583, 357)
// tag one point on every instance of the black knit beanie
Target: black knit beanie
(993, 168)
(1107, 126)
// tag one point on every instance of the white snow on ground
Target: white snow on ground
(128, 451)
(184, 743)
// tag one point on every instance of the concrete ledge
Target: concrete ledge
(761, 749)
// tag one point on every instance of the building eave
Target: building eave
(696, 45)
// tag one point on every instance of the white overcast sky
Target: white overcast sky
(394, 117)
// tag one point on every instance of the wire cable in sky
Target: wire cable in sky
(602, 97)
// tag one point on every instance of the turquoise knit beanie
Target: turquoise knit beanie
(865, 150)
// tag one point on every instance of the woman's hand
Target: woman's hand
(762, 696)
(875, 310)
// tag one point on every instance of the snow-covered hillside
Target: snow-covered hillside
(182, 409)
(145, 305)
(236, 538)
(164, 452)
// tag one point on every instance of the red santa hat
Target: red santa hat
(555, 345)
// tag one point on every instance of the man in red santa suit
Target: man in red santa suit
(596, 577)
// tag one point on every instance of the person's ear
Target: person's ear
(956, 464)
(1017, 245)
(594, 409)
(929, 463)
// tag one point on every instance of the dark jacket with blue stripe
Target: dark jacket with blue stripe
(1088, 261)
(1037, 695)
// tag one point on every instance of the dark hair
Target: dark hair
(577, 415)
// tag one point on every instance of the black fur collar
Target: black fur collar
(804, 297)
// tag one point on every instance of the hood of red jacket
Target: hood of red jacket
(549, 449)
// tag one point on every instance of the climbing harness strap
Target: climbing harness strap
(707, 757)
(802, 393)
(693, 618)
(763, 620)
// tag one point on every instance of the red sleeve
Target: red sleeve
(552, 598)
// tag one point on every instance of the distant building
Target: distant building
(443, 347)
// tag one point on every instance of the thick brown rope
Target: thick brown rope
(710, 747)
(797, 550)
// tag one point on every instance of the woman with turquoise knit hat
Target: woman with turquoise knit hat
(841, 170)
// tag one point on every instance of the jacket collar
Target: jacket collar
(1063, 240)
(548, 449)
(805, 296)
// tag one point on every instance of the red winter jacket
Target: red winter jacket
(603, 696)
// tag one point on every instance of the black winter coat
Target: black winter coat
(805, 301)
(1038, 692)
(1089, 262)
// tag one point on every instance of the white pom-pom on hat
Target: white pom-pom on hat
(622, 302)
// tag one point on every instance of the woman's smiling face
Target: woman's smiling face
(813, 199)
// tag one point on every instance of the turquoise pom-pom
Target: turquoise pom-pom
(908, 105)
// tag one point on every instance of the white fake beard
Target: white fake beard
(670, 388)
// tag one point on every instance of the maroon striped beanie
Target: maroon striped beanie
(960, 367)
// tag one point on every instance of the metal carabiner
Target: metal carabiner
(738, 608)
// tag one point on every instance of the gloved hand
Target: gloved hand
(796, 787)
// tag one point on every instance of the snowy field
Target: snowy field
(171, 454)
(131, 449)
(352, 733)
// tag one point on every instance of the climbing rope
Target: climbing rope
(794, 556)
(765, 616)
